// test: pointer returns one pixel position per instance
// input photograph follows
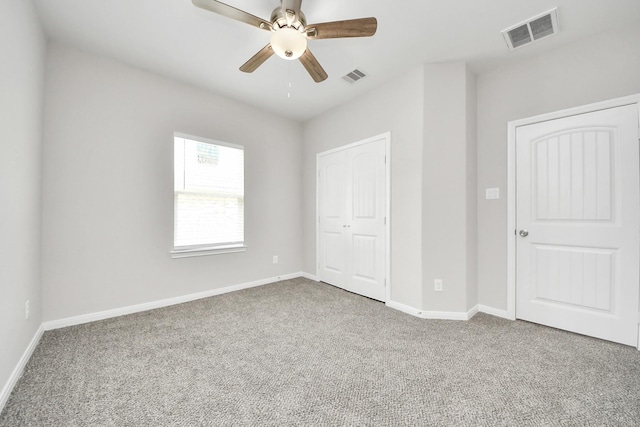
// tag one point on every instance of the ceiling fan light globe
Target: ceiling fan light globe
(288, 43)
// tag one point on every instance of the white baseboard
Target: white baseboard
(309, 276)
(474, 310)
(494, 312)
(17, 371)
(449, 315)
(92, 317)
(425, 314)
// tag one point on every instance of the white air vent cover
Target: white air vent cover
(354, 76)
(532, 30)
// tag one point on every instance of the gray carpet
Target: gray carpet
(303, 353)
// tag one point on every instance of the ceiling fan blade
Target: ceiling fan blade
(313, 66)
(363, 27)
(257, 60)
(291, 10)
(233, 13)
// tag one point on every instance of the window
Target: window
(208, 210)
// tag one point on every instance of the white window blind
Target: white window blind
(208, 195)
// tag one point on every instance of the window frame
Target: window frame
(208, 248)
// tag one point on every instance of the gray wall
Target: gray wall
(472, 184)
(449, 183)
(108, 187)
(396, 107)
(22, 44)
(595, 69)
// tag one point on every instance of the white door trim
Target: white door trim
(387, 143)
(511, 182)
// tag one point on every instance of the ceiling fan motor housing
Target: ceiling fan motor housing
(280, 18)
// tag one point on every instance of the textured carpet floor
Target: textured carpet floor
(303, 353)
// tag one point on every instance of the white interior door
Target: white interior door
(577, 216)
(352, 213)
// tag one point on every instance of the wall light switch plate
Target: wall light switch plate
(492, 193)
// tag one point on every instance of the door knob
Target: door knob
(524, 233)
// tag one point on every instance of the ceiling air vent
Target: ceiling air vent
(354, 76)
(532, 29)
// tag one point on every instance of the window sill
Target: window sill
(202, 251)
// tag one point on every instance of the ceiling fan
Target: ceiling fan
(290, 33)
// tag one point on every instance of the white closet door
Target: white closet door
(352, 207)
(578, 220)
(366, 209)
(332, 202)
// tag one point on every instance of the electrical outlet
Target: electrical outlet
(26, 310)
(437, 285)
(275, 259)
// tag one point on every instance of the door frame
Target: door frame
(511, 182)
(387, 228)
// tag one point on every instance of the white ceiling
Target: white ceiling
(178, 40)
